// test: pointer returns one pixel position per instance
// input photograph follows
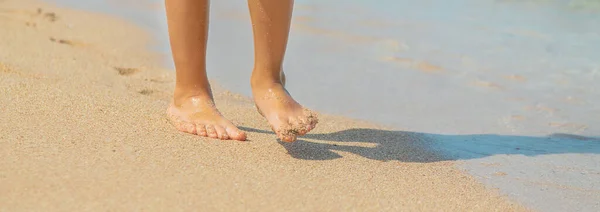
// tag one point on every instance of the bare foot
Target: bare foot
(288, 119)
(198, 115)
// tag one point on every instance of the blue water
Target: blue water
(512, 73)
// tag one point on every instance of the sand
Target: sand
(83, 128)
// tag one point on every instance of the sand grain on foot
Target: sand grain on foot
(76, 135)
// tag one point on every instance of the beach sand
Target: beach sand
(83, 128)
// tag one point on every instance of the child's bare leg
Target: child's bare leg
(193, 109)
(271, 26)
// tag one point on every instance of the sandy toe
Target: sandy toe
(288, 119)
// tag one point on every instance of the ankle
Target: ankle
(265, 83)
(184, 95)
(262, 78)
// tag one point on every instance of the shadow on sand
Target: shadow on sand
(404, 146)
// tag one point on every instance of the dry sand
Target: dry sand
(83, 128)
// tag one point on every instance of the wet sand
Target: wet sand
(83, 128)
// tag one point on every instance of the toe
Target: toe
(296, 126)
(309, 126)
(299, 125)
(201, 130)
(312, 126)
(284, 129)
(221, 133)
(287, 138)
(211, 132)
(311, 120)
(235, 133)
(189, 128)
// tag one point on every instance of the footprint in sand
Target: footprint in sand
(146, 92)
(30, 24)
(126, 71)
(67, 42)
(50, 16)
